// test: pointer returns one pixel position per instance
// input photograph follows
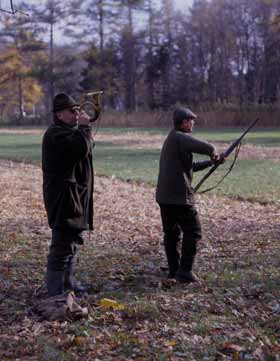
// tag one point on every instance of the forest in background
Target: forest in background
(221, 58)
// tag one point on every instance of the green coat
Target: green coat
(176, 167)
(68, 177)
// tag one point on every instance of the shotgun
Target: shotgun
(224, 155)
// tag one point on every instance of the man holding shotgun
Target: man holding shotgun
(175, 195)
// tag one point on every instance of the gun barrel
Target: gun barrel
(229, 150)
(226, 153)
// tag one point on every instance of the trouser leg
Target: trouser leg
(191, 228)
(70, 282)
(171, 238)
(61, 251)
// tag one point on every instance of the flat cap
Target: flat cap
(181, 114)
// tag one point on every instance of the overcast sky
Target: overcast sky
(179, 4)
(182, 4)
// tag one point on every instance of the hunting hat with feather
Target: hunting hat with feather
(63, 101)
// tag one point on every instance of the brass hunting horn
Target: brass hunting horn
(91, 104)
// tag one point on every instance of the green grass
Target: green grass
(256, 180)
(264, 137)
(126, 163)
(20, 147)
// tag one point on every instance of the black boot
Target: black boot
(184, 273)
(70, 281)
(172, 270)
(186, 276)
(55, 282)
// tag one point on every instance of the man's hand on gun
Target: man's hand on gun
(217, 158)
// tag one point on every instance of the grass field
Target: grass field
(115, 155)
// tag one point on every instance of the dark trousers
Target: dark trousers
(177, 220)
(63, 249)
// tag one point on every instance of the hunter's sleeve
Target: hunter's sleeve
(190, 144)
(74, 143)
(197, 166)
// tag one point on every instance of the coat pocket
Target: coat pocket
(72, 202)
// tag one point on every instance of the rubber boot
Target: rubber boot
(184, 273)
(70, 282)
(55, 282)
(186, 276)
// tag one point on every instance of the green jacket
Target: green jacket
(68, 176)
(176, 167)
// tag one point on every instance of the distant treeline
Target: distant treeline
(221, 58)
(208, 118)
(214, 118)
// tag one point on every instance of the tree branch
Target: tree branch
(13, 11)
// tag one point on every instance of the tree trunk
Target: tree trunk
(51, 67)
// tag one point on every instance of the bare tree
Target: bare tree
(50, 15)
(12, 10)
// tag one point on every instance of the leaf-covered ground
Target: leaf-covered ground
(233, 314)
